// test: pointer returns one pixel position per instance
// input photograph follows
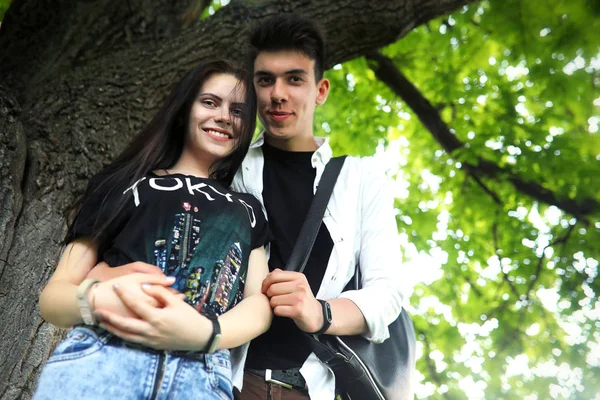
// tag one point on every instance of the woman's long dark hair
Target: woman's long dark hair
(160, 144)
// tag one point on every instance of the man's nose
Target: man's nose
(278, 93)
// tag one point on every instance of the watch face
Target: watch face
(214, 343)
(328, 312)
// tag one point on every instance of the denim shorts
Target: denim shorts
(96, 365)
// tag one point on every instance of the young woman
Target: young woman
(164, 201)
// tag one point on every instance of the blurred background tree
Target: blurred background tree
(486, 114)
(489, 118)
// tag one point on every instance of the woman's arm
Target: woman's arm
(178, 326)
(58, 300)
(252, 316)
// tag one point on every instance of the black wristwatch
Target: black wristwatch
(327, 317)
(213, 342)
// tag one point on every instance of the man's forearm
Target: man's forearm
(347, 319)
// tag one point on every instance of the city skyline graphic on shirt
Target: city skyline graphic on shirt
(206, 258)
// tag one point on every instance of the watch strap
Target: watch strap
(85, 308)
(213, 342)
(327, 317)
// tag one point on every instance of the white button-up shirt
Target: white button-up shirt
(360, 218)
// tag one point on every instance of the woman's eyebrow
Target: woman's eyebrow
(210, 94)
(236, 104)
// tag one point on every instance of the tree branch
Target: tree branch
(511, 284)
(538, 270)
(489, 191)
(387, 72)
(349, 29)
(429, 362)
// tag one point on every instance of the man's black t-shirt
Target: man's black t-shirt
(288, 191)
(194, 229)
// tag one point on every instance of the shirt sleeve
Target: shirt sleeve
(261, 234)
(380, 258)
(99, 201)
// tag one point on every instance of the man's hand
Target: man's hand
(105, 272)
(290, 296)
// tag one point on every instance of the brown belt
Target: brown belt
(288, 378)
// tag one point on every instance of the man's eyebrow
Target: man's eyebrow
(296, 71)
(289, 72)
(263, 73)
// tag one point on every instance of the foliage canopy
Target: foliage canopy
(508, 304)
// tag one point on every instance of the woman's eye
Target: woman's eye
(209, 103)
(237, 112)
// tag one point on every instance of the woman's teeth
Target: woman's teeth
(219, 134)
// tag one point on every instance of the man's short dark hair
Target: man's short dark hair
(289, 32)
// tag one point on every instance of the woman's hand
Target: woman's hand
(175, 325)
(104, 297)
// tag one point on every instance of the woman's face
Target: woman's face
(215, 117)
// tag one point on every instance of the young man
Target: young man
(283, 169)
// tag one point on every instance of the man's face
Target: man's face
(287, 93)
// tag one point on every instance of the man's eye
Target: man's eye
(264, 81)
(295, 79)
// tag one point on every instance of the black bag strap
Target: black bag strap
(314, 218)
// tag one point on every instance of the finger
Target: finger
(280, 288)
(126, 324)
(131, 337)
(271, 278)
(163, 295)
(144, 310)
(154, 279)
(146, 268)
(292, 299)
(173, 290)
(278, 275)
(152, 302)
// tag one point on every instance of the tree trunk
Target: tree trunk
(80, 79)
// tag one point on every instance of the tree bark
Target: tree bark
(80, 79)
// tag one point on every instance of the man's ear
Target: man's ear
(322, 91)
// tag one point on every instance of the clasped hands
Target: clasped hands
(147, 312)
(135, 303)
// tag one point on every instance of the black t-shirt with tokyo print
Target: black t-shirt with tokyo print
(194, 229)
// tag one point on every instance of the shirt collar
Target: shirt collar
(323, 152)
